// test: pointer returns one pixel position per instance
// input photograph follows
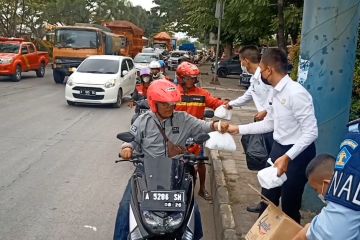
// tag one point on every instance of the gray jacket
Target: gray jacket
(178, 129)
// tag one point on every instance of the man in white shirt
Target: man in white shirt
(257, 91)
(292, 118)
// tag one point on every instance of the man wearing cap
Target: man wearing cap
(340, 219)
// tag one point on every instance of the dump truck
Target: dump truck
(134, 35)
(75, 43)
(163, 41)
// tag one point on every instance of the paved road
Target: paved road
(58, 179)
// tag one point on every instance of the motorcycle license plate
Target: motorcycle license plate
(164, 201)
(88, 92)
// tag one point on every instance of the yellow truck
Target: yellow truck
(75, 43)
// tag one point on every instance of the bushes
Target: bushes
(355, 104)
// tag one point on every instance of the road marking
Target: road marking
(91, 227)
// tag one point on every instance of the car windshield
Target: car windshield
(177, 54)
(9, 48)
(143, 58)
(102, 66)
(71, 38)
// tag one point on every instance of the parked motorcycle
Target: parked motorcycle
(162, 201)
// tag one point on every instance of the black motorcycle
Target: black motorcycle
(162, 201)
(141, 107)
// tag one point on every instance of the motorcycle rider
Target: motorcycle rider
(162, 67)
(155, 68)
(178, 127)
(194, 100)
(141, 89)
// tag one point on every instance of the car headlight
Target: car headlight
(69, 82)
(7, 61)
(110, 84)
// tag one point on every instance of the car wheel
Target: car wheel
(41, 71)
(58, 76)
(17, 76)
(222, 72)
(70, 103)
(118, 102)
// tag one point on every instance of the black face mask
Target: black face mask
(264, 80)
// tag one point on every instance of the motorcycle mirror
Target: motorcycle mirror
(209, 114)
(201, 138)
(126, 137)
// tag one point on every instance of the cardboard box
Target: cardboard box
(273, 224)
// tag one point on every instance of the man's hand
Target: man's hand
(260, 116)
(223, 126)
(233, 129)
(126, 153)
(226, 101)
(227, 105)
(282, 164)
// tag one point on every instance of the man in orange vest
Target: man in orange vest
(194, 100)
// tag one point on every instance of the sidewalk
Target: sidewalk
(229, 173)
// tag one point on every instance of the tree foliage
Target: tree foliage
(18, 17)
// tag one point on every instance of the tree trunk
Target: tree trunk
(228, 50)
(281, 29)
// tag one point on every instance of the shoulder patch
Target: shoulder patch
(342, 158)
(133, 128)
(349, 142)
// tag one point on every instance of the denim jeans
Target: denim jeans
(121, 231)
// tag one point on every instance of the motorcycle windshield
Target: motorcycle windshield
(163, 173)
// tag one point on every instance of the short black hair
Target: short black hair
(251, 53)
(324, 161)
(276, 58)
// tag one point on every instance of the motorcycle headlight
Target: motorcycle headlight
(163, 225)
(155, 222)
(174, 221)
(110, 84)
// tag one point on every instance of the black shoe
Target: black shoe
(254, 209)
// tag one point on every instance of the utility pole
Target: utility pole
(327, 58)
(219, 14)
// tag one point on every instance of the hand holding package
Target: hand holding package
(268, 177)
(222, 112)
(222, 142)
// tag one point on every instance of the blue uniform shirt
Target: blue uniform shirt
(335, 222)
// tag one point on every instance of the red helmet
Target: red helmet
(162, 91)
(186, 69)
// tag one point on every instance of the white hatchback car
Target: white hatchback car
(101, 79)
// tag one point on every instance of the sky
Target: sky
(147, 4)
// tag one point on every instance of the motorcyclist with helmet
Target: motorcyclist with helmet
(141, 89)
(194, 100)
(155, 69)
(162, 96)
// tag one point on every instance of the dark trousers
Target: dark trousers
(292, 190)
(122, 224)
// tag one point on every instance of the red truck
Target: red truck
(17, 56)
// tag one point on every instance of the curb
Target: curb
(223, 215)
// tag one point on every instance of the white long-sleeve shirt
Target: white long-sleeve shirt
(257, 91)
(290, 115)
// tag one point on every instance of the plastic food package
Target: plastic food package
(222, 112)
(222, 142)
(268, 177)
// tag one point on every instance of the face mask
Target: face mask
(244, 69)
(146, 79)
(264, 80)
(321, 197)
